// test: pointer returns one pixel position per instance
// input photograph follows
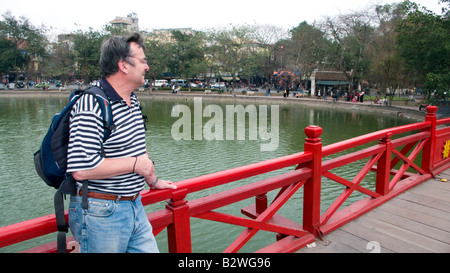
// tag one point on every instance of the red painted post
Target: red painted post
(429, 148)
(261, 203)
(179, 232)
(384, 167)
(312, 188)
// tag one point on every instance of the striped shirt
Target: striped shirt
(127, 140)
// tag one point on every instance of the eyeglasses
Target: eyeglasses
(142, 61)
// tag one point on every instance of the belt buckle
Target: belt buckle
(135, 197)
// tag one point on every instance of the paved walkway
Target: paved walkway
(417, 221)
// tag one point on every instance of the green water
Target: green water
(25, 120)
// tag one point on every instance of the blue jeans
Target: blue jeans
(111, 227)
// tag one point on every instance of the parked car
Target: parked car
(218, 85)
(178, 82)
(160, 83)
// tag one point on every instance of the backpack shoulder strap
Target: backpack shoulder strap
(105, 106)
(67, 186)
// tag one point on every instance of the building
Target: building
(325, 79)
(130, 23)
(165, 35)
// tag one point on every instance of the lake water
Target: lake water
(25, 120)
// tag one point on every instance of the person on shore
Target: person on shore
(113, 220)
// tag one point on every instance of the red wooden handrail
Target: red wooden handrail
(383, 158)
(222, 177)
(371, 137)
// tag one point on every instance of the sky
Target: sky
(68, 16)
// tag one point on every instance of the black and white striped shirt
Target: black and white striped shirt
(127, 140)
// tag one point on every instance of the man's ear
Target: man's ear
(123, 66)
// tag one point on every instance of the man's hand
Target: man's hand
(144, 166)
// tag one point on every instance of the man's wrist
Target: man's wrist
(153, 184)
(134, 165)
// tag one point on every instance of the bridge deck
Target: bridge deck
(416, 221)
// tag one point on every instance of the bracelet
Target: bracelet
(134, 166)
(154, 183)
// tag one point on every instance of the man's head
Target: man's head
(118, 49)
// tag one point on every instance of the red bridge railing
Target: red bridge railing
(401, 157)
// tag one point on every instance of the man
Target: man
(114, 220)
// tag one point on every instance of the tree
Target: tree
(87, 53)
(351, 33)
(386, 68)
(308, 47)
(229, 50)
(267, 37)
(61, 64)
(187, 58)
(10, 58)
(424, 45)
(157, 54)
(22, 44)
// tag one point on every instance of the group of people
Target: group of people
(354, 96)
(176, 89)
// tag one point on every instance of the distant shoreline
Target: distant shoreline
(367, 106)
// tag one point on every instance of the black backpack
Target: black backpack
(51, 159)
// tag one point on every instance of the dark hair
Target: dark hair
(115, 49)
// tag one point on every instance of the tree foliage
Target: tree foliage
(187, 55)
(389, 46)
(87, 47)
(21, 43)
(424, 44)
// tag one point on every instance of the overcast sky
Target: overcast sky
(66, 16)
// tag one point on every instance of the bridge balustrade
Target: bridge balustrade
(401, 158)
